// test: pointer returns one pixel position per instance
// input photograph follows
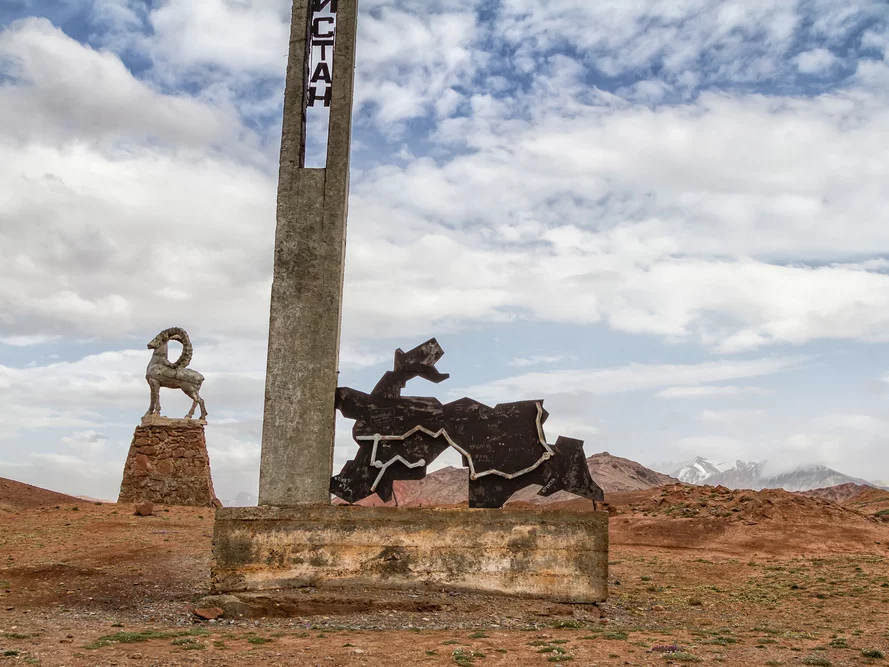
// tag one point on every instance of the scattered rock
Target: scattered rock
(209, 613)
(587, 613)
(232, 606)
(144, 509)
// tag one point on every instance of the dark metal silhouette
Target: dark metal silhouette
(504, 447)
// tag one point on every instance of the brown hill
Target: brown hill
(839, 493)
(17, 495)
(450, 486)
(859, 497)
(615, 474)
(686, 501)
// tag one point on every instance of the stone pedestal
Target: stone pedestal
(554, 555)
(168, 464)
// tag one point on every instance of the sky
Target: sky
(668, 220)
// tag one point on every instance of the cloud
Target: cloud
(94, 216)
(47, 96)
(688, 44)
(633, 377)
(534, 360)
(25, 341)
(816, 61)
(711, 391)
(238, 36)
(729, 416)
(670, 222)
(717, 447)
(854, 444)
(666, 221)
(412, 56)
(86, 442)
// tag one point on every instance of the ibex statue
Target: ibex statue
(161, 373)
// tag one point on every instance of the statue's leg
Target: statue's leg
(151, 401)
(190, 391)
(155, 407)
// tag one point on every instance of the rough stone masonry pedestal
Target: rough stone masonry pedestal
(168, 464)
(555, 555)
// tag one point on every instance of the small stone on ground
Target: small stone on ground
(144, 509)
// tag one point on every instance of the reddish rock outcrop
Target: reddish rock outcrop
(168, 464)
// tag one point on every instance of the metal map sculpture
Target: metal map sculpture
(504, 447)
(162, 373)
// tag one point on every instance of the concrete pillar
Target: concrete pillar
(306, 309)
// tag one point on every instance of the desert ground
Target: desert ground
(696, 575)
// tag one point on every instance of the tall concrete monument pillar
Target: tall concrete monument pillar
(310, 242)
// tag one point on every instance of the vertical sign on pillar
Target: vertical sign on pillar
(310, 240)
(319, 78)
(323, 34)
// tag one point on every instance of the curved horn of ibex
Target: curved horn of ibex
(162, 373)
(181, 336)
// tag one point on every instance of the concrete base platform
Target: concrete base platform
(553, 555)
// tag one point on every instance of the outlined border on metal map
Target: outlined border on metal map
(377, 438)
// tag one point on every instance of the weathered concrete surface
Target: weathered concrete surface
(553, 555)
(168, 464)
(306, 306)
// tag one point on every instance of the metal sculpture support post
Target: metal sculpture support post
(306, 307)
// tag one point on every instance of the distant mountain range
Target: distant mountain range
(754, 475)
(450, 486)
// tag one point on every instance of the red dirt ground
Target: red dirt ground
(740, 578)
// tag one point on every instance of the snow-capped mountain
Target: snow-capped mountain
(699, 470)
(755, 475)
(812, 477)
